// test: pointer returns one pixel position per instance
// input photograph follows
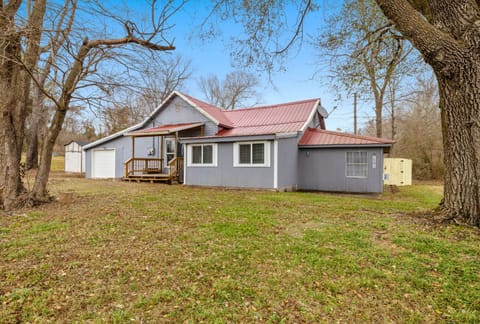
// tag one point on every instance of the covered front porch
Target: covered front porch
(168, 164)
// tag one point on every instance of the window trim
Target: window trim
(266, 155)
(190, 155)
(347, 164)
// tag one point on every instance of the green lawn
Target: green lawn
(119, 252)
(58, 163)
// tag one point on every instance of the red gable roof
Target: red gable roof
(215, 112)
(281, 118)
(320, 137)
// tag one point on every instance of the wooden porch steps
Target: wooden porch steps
(149, 170)
(150, 177)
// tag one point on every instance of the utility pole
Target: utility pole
(355, 113)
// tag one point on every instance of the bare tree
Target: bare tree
(156, 77)
(420, 132)
(78, 58)
(417, 129)
(365, 53)
(236, 90)
(36, 122)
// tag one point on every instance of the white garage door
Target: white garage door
(103, 163)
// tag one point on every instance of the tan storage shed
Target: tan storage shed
(397, 171)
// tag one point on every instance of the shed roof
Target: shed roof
(319, 137)
(80, 143)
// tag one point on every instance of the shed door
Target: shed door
(73, 162)
(103, 163)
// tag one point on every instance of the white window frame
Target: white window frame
(190, 155)
(365, 164)
(266, 155)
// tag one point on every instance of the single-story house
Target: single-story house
(75, 157)
(282, 147)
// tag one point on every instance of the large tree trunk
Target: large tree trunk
(36, 128)
(448, 36)
(31, 154)
(12, 123)
(15, 87)
(39, 191)
(460, 106)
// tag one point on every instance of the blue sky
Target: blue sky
(298, 81)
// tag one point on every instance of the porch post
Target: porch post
(176, 155)
(160, 154)
(133, 147)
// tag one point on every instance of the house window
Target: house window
(254, 154)
(202, 155)
(356, 165)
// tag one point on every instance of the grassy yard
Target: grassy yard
(117, 252)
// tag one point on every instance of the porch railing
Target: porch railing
(138, 166)
(175, 167)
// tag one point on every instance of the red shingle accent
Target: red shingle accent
(319, 137)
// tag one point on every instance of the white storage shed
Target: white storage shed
(75, 157)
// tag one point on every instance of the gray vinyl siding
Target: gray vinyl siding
(122, 148)
(287, 163)
(176, 112)
(324, 169)
(226, 175)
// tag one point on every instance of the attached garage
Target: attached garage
(103, 163)
(75, 157)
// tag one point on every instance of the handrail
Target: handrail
(136, 166)
(143, 165)
(174, 165)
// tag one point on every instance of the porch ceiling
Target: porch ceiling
(163, 129)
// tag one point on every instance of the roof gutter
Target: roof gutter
(344, 146)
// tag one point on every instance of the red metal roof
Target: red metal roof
(319, 137)
(164, 129)
(262, 129)
(286, 113)
(215, 112)
(281, 118)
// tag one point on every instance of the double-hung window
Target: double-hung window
(356, 164)
(202, 155)
(252, 154)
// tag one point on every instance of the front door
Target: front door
(169, 149)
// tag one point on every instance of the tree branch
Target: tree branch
(435, 45)
(126, 40)
(299, 28)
